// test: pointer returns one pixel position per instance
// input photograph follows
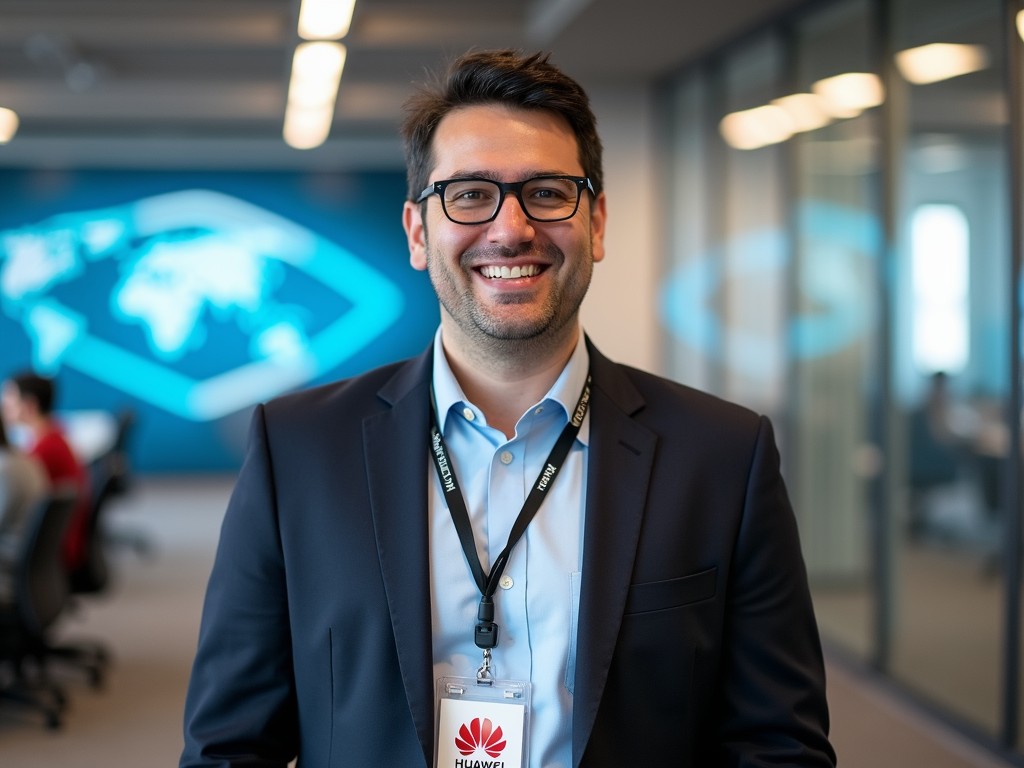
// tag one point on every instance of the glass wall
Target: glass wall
(723, 301)
(687, 304)
(840, 259)
(752, 243)
(834, 355)
(950, 350)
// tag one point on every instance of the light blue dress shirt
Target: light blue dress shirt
(537, 602)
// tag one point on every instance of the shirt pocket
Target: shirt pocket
(575, 579)
(652, 596)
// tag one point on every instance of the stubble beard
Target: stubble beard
(496, 335)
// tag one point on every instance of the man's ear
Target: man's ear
(598, 219)
(416, 234)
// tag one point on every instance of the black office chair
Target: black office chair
(118, 452)
(109, 478)
(93, 575)
(36, 594)
(114, 468)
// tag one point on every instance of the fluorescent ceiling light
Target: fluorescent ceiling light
(940, 61)
(756, 128)
(312, 92)
(307, 127)
(325, 19)
(8, 124)
(849, 94)
(807, 111)
(316, 68)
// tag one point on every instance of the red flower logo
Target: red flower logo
(480, 734)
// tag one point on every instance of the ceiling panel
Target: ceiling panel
(102, 79)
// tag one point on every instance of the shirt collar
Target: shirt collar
(565, 391)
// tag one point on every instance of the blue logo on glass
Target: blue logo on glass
(839, 243)
(186, 267)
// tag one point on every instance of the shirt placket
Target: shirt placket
(506, 496)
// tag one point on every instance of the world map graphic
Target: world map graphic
(187, 262)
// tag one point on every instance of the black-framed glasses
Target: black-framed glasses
(477, 201)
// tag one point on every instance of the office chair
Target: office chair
(37, 594)
(93, 575)
(94, 572)
(119, 469)
(109, 477)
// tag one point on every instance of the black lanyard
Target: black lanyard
(486, 631)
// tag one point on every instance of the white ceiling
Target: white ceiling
(157, 83)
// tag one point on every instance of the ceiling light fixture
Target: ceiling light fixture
(806, 110)
(849, 94)
(316, 71)
(756, 128)
(312, 93)
(940, 61)
(325, 19)
(8, 124)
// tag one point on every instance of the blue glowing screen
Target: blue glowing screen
(190, 297)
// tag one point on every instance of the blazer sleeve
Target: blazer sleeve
(775, 710)
(240, 708)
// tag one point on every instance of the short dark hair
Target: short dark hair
(39, 388)
(504, 77)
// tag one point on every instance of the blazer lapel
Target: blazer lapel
(395, 441)
(618, 475)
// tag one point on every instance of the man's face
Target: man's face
(11, 404)
(557, 258)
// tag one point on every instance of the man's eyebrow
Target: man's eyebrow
(493, 176)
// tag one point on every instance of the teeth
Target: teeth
(510, 272)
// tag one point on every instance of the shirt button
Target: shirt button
(468, 413)
(540, 410)
(506, 457)
(506, 582)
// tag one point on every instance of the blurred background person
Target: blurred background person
(27, 401)
(23, 484)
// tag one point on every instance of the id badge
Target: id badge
(482, 724)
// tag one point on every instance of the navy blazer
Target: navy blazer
(697, 644)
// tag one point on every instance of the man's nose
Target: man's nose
(511, 224)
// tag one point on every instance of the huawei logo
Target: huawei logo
(480, 734)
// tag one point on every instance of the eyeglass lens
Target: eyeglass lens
(476, 200)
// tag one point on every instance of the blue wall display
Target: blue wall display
(190, 297)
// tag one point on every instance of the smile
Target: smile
(505, 273)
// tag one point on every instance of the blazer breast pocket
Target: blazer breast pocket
(672, 593)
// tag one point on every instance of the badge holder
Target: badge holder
(482, 723)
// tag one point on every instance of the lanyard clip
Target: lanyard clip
(483, 675)
(485, 634)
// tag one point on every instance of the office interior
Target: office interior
(815, 210)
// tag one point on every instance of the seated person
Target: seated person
(27, 400)
(932, 451)
(23, 485)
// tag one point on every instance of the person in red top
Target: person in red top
(27, 400)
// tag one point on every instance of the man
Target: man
(375, 578)
(27, 400)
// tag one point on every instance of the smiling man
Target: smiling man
(509, 550)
